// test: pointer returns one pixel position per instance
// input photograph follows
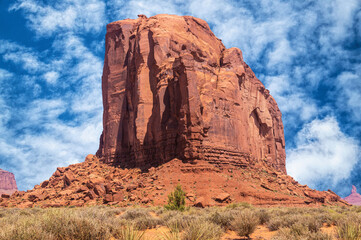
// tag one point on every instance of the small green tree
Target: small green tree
(176, 199)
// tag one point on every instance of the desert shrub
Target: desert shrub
(170, 235)
(75, 224)
(223, 219)
(176, 199)
(245, 223)
(56, 224)
(298, 232)
(349, 228)
(177, 221)
(147, 222)
(135, 213)
(312, 223)
(263, 216)
(25, 229)
(202, 230)
(298, 229)
(287, 220)
(275, 223)
(140, 218)
(129, 232)
(239, 205)
(356, 209)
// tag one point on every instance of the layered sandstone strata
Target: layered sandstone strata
(172, 90)
(7, 182)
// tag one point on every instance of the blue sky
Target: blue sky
(307, 53)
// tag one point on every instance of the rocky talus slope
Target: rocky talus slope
(94, 182)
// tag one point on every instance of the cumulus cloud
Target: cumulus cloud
(20, 55)
(323, 155)
(5, 74)
(79, 15)
(349, 93)
(51, 77)
(40, 133)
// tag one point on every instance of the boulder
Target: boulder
(118, 197)
(201, 202)
(222, 197)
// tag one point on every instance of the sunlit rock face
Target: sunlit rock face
(354, 198)
(7, 182)
(172, 90)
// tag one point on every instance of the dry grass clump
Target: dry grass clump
(202, 230)
(50, 224)
(25, 229)
(128, 232)
(240, 205)
(349, 228)
(140, 218)
(245, 223)
(222, 218)
(263, 216)
(278, 222)
(299, 232)
(178, 221)
(312, 221)
(170, 235)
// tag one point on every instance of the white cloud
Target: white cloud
(342, 13)
(5, 74)
(60, 128)
(349, 93)
(290, 98)
(323, 155)
(68, 15)
(23, 56)
(51, 77)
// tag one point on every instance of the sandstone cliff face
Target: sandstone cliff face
(7, 182)
(354, 198)
(172, 90)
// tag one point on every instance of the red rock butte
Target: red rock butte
(7, 182)
(179, 108)
(172, 90)
(354, 198)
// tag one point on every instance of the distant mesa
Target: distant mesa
(354, 198)
(7, 182)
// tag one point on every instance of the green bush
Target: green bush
(176, 199)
